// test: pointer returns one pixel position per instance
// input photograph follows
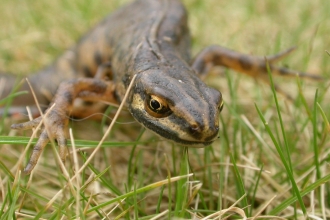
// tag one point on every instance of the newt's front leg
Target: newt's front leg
(56, 121)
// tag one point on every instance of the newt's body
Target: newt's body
(149, 38)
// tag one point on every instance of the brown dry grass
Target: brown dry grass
(34, 33)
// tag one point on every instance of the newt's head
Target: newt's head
(182, 109)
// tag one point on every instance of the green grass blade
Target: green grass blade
(79, 143)
(160, 198)
(240, 184)
(325, 119)
(182, 186)
(130, 168)
(135, 203)
(288, 166)
(140, 190)
(3, 205)
(11, 96)
(104, 181)
(278, 110)
(283, 159)
(304, 192)
(255, 190)
(7, 171)
(303, 99)
(209, 177)
(315, 146)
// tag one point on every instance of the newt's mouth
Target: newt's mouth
(188, 143)
(194, 144)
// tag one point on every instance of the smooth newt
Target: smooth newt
(149, 38)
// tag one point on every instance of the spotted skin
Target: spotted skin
(149, 39)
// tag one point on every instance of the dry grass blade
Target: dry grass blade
(76, 164)
(160, 215)
(232, 208)
(263, 208)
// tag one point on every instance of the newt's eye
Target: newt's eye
(156, 106)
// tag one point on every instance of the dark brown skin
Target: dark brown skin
(150, 39)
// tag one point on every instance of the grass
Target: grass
(273, 155)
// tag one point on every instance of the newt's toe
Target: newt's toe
(26, 125)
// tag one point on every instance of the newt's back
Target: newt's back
(114, 39)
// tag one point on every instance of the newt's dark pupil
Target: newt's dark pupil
(155, 105)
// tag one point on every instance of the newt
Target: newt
(149, 39)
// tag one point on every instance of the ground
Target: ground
(291, 146)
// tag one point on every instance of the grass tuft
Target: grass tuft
(271, 161)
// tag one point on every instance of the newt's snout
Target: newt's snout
(204, 135)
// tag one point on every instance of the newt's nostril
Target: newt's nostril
(194, 128)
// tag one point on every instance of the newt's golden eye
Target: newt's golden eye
(157, 106)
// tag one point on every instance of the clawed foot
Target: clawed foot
(55, 124)
(57, 117)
